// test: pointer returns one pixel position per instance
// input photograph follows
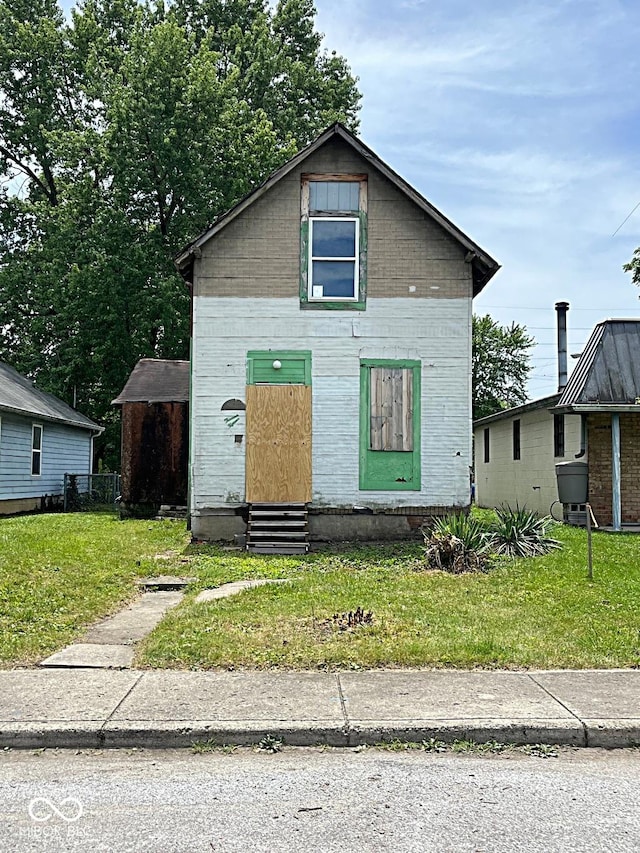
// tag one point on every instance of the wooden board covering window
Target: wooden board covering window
(391, 408)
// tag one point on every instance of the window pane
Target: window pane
(37, 438)
(35, 462)
(334, 195)
(336, 278)
(318, 195)
(333, 239)
(348, 196)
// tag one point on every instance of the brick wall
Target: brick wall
(600, 467)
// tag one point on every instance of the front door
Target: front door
(278, 430)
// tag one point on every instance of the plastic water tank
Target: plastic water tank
(572, 480)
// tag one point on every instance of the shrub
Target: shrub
(520, 533)
(456, 544)
(470, 531)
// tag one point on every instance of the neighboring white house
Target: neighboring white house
(594, 418)
(516, 452)
(336, 303)
(41, 439)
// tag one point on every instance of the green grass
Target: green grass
(529, 613)
(60, 572)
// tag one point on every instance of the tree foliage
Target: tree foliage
(500, 365)
(124, 131)
(634, 267)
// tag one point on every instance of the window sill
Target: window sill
(328, 305)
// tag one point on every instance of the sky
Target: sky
(520, 121)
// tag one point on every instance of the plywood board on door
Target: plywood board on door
(278, 454)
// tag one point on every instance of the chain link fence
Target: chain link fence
(91, 492)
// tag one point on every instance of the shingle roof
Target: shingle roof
(482, 264)
(155, 380)
(608, 371)
(20, 396)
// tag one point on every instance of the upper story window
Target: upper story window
(333, 258)
(333, 241)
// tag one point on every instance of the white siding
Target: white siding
(531, 480)
(436, 331)
(64, 450)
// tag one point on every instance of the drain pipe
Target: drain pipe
(583, 437)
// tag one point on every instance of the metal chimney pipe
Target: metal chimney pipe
(562, 308)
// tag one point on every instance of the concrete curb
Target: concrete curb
(184, 734)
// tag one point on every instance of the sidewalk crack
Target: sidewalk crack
(561, 703)
(343, 705)
(101, 731)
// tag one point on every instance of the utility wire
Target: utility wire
(624, 220)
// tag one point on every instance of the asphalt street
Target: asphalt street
(319, 800)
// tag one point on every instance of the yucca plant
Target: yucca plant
(456, 544)
(520, 532)
(470, 531)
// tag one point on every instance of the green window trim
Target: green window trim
(295, 367)
(384, 470)
(360, 304)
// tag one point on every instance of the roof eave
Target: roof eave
(37, 416)
(523, 408)
(597, 408)
(184, 260)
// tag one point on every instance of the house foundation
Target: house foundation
(327, 524)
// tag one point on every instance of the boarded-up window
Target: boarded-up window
(391, 408)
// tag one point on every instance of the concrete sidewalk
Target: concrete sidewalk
(84, 708)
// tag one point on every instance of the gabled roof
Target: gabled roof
(607, 375)
(18, 395)
(483, 265)
(155, 380)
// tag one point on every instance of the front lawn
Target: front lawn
(529, 613)
(60, 572)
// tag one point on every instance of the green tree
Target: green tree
(501, 365)
(124, 131)
(634, 267)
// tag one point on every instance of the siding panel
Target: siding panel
(64, 449)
